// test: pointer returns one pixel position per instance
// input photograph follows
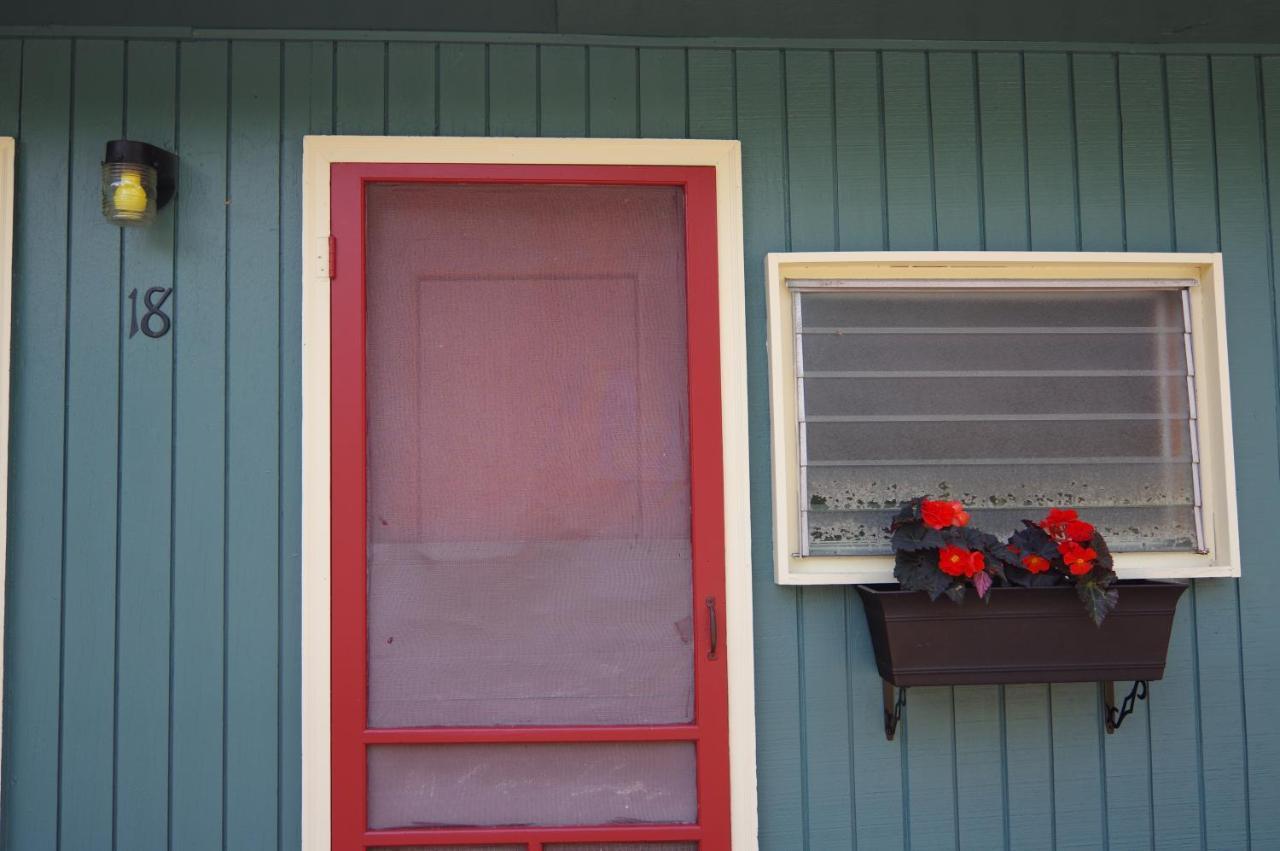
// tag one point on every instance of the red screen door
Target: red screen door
(528, 552)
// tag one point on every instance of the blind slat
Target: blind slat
(984, 418)
(994, 373)
(978, 462)
(1031, 285)
(942, 329)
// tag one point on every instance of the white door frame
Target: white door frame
(319, 154)
(7, 146)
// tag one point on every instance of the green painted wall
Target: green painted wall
(151, 672)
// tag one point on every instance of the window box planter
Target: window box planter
(1023, 635)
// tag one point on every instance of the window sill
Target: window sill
(857, 570)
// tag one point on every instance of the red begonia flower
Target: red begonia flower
(1065, 525)
(957, 561)
(1059, 516)
(1035, 563)
(938, 514)
(1079, 559)
(1079, 531)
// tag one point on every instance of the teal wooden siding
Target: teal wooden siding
(152, 648)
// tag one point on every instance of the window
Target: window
(1013, 382)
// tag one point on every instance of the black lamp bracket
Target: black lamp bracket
(164, 162)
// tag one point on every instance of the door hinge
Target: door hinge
(333, 257)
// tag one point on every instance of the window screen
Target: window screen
(528, 453)
(1011, 401)
(545, 784)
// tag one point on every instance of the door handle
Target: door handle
(713, 627)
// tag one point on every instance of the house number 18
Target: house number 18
(155, 322)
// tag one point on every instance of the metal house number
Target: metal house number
(155, 322)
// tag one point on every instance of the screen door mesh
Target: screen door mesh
(547, 785)
(528, 460)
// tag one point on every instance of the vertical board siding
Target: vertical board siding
(411, 89)
(513, 90)
(562, 90)
(297, 119)
(1099, 184)
(978, 765)
(152, 679)
(664, 88)
(859, 140)
(361, 83)
(199, 449)
(825, 706)
(463, 81)
(1128, 760)
(613, 92)
(780, 729)
(1029, 795)
(1175, 818)
(929, 746)
(146, 497)
(1241, 810)
(252, 568)
(33, 595)
(93, 388)
(10, 84)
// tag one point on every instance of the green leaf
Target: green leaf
(999, 556)
(970, 538)
(1032, 540)
(1098, 597)
(914, 536)
(909, 512)
(1024, 578)
(918, 571)
(956, 592)
(1104, 560)
(996, 553)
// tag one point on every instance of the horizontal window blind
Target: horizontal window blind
(1076, 394)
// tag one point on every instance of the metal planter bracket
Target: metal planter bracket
(1113, 716)
(895, 701)
(892, 707)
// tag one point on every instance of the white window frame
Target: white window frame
(319, 154)
(7, 149)
(1212, 391)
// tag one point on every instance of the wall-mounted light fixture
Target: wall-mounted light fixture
(137, 180)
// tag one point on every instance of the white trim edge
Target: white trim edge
(7, 149)
(319, 153)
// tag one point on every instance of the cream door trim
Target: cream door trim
(319, 153)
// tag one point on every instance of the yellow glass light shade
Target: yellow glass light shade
(130, 196)
(128, 193)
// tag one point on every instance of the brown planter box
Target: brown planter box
(1023, 635)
